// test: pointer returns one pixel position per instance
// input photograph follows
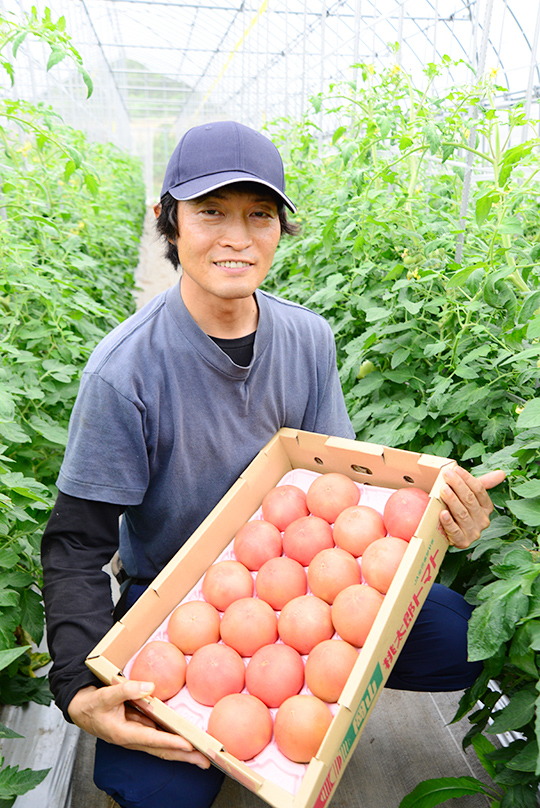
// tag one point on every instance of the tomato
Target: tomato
(356, 527)
(283, 504)
(163, 664)
(403, 511)
(330, 494)
(381, 560)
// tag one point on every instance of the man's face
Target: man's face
(227, 242)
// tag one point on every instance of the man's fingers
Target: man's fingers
(492, 478)
(125, 690)
(469, 490)
(162, 744)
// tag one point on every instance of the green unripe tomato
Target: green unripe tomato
(365, 369)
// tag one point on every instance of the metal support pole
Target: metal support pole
(435, 29)
(321, 75)
(532, 67)
(287, 80)
(303, 95)
(356, 42)
(399, 54)
(480, 67)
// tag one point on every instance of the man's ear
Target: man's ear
(157, 210)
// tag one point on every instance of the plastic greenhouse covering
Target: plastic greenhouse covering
(159, 67)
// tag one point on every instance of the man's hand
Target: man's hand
(468, 504)
(103, 712)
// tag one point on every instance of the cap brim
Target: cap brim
(204, 185)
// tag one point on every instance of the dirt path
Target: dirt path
(154, 273)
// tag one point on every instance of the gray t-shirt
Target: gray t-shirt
(165, 421)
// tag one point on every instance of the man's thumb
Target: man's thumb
(137, 690)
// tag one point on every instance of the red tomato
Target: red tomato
(283, 504)
(403, 512)
(330, 494)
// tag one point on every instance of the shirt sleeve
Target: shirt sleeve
(331, 417)
(106, 456)
(80, 538)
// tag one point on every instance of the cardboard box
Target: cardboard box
(367, 464)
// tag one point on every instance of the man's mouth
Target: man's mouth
(233, 264)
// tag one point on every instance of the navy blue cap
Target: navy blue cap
(212, 155)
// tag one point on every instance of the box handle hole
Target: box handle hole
(361, 469)
(319, 461)
(408, 479)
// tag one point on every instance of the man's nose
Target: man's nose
(236, 234)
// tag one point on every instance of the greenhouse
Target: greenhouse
(356, 303)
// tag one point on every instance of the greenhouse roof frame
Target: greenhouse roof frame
(167, 65)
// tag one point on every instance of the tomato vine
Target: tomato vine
(439, 355)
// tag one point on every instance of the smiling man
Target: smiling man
(173, 405)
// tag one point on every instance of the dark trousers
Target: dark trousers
(433, 659)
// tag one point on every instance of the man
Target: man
(172, 407)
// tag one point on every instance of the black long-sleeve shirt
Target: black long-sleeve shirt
(80, 538)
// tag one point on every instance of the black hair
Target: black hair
(167, 221)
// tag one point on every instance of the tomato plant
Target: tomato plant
(70, 216)
(433, 294)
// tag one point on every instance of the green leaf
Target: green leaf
(6, 732)
(399, 356)
(514, 562)
(519, 796)
(57, 54)
(466, 371)
(316, 100)
(8, 67)
(533, 329)
(500, 526)
(518, 712)
(441, 789)
(531, 488)
(15, 781)
(11, 654)
(9, 597)
(7, 406)
(52, 432)
(511, 225)
(483, 747)
(476, 450)
(338, 133)
(526, 759)
(434, 348)
(447, 151)
(69, 168)
(92, 183)
(8, 557)
(459, 277)
(377, 313)
(385, 125)
(511, 158)
(31, 614)
(494, 621)
(433, 137)
(405, 142)
(20, 689)
(530, 307)
(17, 41)
(529, 418)
(484, 205)
(527, 510)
